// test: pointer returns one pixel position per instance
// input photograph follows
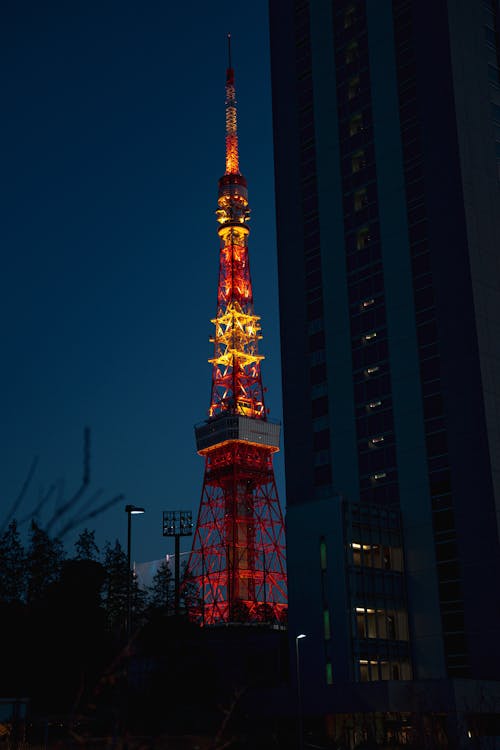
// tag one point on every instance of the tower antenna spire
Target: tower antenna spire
(232, 157)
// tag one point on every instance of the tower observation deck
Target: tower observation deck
(237, 561)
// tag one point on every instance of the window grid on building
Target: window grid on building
(370, 356)
(377, 595)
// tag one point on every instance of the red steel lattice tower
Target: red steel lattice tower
(237, 561)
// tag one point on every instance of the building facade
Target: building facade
(387, 159)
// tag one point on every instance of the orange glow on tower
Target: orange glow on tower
(237, 561)
(231, 126)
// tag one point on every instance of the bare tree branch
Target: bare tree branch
(71, 521)
(44, 499)
(78, 520)
(70, 504)
(17, 502)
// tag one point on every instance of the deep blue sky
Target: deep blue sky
(112, 137)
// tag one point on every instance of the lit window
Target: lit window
(374, 442)
(371, 370)
(356, 553)
(349, 16)
(353, 89)
(366, 623)
(362, 238)
(374, 404)
(386, 558)
(396, 558)
(385, 673)
(375, 556)
(390, 626)
(366, 303)
(360, 623)
(378, 476)
(369, 670)
(357, 550)
(358, 161)
(352, 52)
(364, 672)
(360, 199)
(369, 337)
(355, 124)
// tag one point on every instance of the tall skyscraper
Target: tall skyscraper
(387, 157)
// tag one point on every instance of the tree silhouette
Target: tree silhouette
(86, 547)
(190, 599)
(44, 561)
(160, 594)
(12, 566)
(115, 586)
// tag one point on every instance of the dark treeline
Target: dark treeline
(67, 650)
(63, 624)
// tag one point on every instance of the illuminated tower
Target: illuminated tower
(237, 562)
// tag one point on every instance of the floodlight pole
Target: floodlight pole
(177, 595)
(177, 523)
(130, 510)
(129, 598)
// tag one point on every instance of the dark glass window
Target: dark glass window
(317, 341)
(443, 521)
(436, 444)
(427, 333)
(322, 439)
(433, 406)
(449, 571)
(317, 374)
(322, 475)
(453, 621)
(446, 551)
(441, 483)
(456, 644)
(319, 406)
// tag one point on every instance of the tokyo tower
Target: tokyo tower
(237, 561)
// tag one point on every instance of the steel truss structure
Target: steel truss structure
(237, 562)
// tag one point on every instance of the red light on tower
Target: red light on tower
(237, 561)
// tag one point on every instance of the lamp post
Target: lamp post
(299, 637)
(177, 523)
(130, 510)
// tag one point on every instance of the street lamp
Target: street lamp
(177, 523)
(130, 510)
(299, 696)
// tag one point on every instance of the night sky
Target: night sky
(112, 144)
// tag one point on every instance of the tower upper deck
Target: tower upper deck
(236, 376)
